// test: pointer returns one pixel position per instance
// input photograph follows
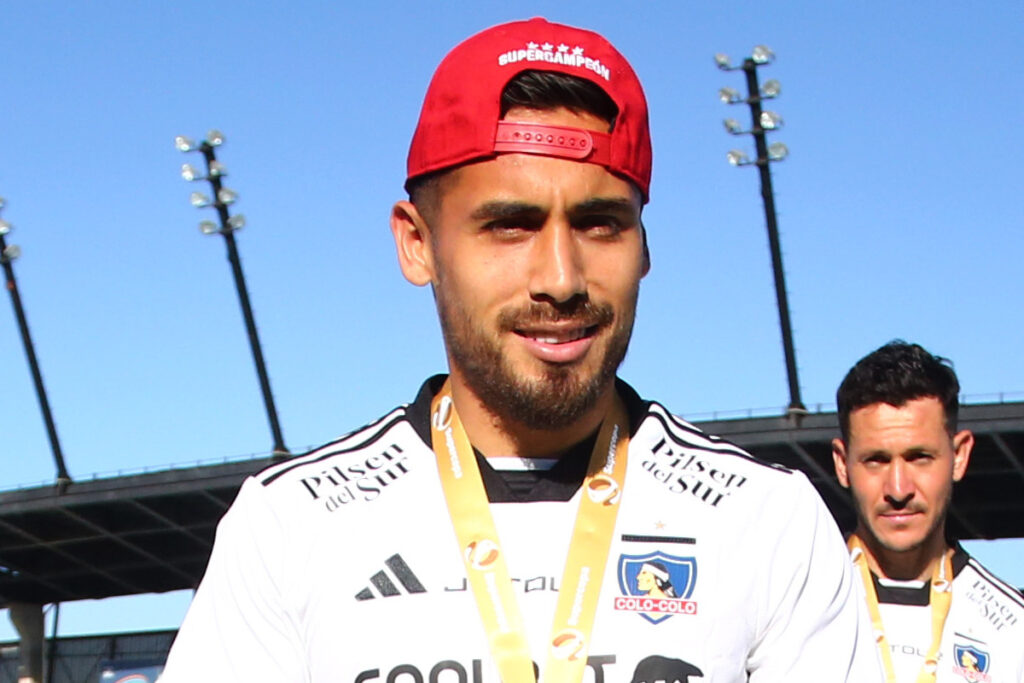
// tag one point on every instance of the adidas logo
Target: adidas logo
(384, 584)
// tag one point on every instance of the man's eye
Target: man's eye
(504, 228)
(601, 225)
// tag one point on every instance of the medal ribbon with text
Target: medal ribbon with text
(940, 598)
(484, 560)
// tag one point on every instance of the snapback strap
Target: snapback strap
(555, 141)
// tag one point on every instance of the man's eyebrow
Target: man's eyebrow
(619, 205)
(498, 210)
(875, 453)
(504, 210)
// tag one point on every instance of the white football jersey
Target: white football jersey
(983, 638)
(342, 565)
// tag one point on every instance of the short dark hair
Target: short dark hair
(896, 373)
(551, 90)
(531, 89)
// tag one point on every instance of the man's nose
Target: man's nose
(557, 272)
(899, 485)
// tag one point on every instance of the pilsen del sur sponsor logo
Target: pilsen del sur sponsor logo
(561, 54)
(687, 472)
(991, 607)
(361, 481)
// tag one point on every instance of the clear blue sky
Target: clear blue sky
(898, 207)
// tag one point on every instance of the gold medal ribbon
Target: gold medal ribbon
(940, 598)
(482, 554)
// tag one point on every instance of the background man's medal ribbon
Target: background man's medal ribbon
(940, 598)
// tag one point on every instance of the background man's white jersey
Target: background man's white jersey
(341, 565)
(983, 639)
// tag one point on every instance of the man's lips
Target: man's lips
(558, 343)
(899, 517)
(558, 335)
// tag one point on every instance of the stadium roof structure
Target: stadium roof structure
(153, 532)
(143, 533)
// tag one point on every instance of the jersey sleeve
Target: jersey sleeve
(238, 627)
(812, 624)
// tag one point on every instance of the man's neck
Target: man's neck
(494, 436)
(907, 565)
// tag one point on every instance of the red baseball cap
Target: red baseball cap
(459, 121)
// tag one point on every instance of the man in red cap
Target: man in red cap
(498, 525)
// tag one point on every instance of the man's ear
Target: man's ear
(839, 461)
(413, 244)
(647, 252)
(963, 443)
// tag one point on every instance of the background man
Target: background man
(942, 614)
(527, 175)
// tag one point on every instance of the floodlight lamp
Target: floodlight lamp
(771, 89)
(208, 227)
(770, 120)
(10, 252)
(215, 138)
(777, 151)
(762, 55)
(729, 95)
(738, 158)
(199, 200)
(237, 222)
(733, 126)
(227, 197)
(723, 62)
(184, 144)
(5, 227)
(190, 173)
(217, 169)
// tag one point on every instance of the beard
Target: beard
(562, 393)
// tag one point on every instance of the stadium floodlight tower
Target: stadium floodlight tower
(226, 226)
(8, 253)
(761, 123)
